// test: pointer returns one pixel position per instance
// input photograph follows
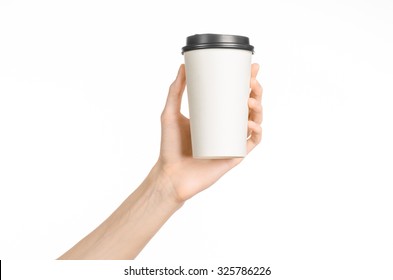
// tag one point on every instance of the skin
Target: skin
(175, 178)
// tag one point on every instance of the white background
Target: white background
(82, 87)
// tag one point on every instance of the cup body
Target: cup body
(218, 87)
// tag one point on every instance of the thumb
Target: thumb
(176, 90)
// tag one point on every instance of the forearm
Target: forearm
(125, 233)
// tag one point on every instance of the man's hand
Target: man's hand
(188, 176)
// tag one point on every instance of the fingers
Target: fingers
(254, 70)
(175, 94)
(255, 109)
(255, 100)
(256, 135)
(256, 89)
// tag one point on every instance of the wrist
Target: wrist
(163, 186)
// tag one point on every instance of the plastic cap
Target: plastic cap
(217, 41)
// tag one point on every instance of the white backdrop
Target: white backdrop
(82, 87)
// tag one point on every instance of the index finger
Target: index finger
(254, 70)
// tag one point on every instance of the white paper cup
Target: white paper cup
(218, 70)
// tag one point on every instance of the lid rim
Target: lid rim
(212, 46)
(214, 41)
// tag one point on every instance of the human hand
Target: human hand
(175, 177)
(188, 176)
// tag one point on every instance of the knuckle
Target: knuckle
(167, 117)
(171, 87)
(164, 116)
(255, 105)
(258, 86)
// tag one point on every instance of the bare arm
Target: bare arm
(124, 234)
(176, 177)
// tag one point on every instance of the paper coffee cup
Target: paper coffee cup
(218, 70)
